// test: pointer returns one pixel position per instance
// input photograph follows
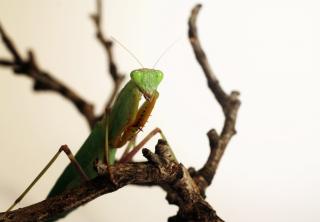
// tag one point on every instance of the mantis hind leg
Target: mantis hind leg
(67, 151)
(128, 156)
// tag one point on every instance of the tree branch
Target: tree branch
(160, 169)
(43, 81)
(229, 103)
(107, 44)
(6, 62)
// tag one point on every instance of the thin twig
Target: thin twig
(229, 103)
(10, 45)
(6, 62)
(201, 57)
(107, 44)
(43, 81)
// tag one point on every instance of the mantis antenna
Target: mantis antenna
(125, 48)
(165, 52)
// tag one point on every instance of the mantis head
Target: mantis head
(147, 80)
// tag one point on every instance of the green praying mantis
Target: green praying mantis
(117, 127)
(123, 123)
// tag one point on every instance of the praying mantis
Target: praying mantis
(117, 127)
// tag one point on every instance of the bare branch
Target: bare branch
(43, 81)
(161, 169)
(107, 44)
(10, 45)
(201, 57)
(229, 103)
(6, 62)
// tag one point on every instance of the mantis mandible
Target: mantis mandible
(117, 127)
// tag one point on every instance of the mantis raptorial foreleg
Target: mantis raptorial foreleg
(126, 157)
(133, 127)
(67, 151)
(137, 123)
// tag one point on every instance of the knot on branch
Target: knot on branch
(163, 159)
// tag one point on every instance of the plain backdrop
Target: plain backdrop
(268, 50)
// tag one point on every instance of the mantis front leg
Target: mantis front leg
(135, 125)
(127, 156)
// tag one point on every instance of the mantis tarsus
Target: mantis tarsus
(116, 128)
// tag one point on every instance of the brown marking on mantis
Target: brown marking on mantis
(140, 120)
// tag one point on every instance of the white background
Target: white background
(268, 50)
